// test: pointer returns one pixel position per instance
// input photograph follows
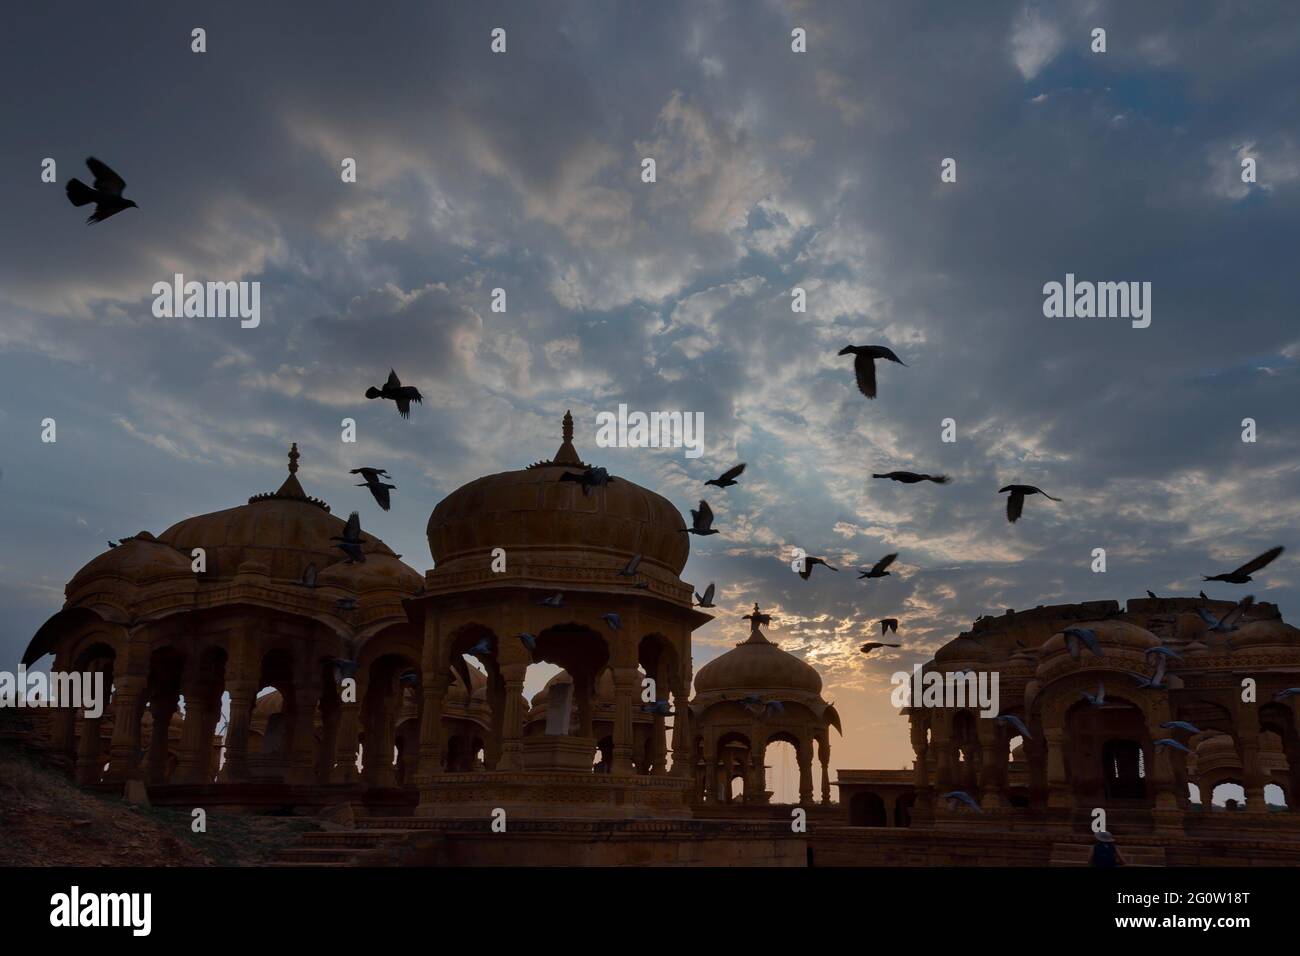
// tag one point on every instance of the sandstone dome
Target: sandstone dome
(140, 560)
(537, 517)
(757, 664)
(284, 531)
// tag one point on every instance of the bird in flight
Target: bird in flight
(701, 520)
(1243, 573)
(706, 599)
(1152, 595)
(1181, 725)
(395, 391)
(864, 364)
(1098, 699)
(555, 600)
(887, 625)
(808, 566)
(613, 620)
(953, 796)
(758, 619)
(911, 477)
(591, 478)
(870, 646)
(106, 195)
(877, 570)
(1016, 503)
(350, 541)
(1074, 636)
(1011, 720)
(377, 488)
(1170, 742)
(727, 478)
(629, 569)
(1229, 621)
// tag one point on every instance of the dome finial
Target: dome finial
(756, 620)
(293, 458)
(568, 426)
(567, 454)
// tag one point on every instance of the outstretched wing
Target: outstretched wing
(381, 495)
(704, 517)
(1015, 505)
(105, 179)
(1267, 557)
(733, 473)
(393, 380)
(883, 563)
(352, 531)
(864, 367)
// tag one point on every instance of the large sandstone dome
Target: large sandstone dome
(538, 518)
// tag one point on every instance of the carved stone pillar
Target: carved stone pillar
(683, 745)
(1060, 794)
(512, 724)
(434, 689)
(993, 765)
(161, 710)
(625, 684)
(923, 805)
(1254, 779)
(804, 755)
(243, 695)
(346, 743)
(124, 750)
(302, 733)
(381, 712)
(195, 759)
(824, 755)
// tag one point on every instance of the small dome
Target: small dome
(139, 561)
(963, 650)
(377, 573)
(757, 664)
(533, 509)
(604, 687)
(1269, 633)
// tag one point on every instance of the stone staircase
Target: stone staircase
(1078, 854)
(366, 846)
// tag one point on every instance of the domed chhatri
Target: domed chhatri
(749, 697)
(557, 531)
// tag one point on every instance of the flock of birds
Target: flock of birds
(106, 195)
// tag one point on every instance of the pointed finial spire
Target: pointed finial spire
(757, 619)
(568, 426)
(293, 458)
(567, 454)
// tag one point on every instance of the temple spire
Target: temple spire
(291, 489)
(567, 455)
(293, 458)
(757, 619)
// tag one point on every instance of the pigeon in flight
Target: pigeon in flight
(757, 618)
(350, 541)
(629, 569)
(343, 668)
(1229, 621)
(377, 488)
(1181, 725)
(706, 599)
(1074, 636)
(727, 478)
(864, 364)
(1170, 742)
(410, 676)
(1284, 694)
(1016, 502)
(911, 477)
(308, 577)
(887, 625)
(395, 391)
(808, 564)
(591, 478)
(660, 708)
(613, 620)
(955, 796)
(1155, 682)
(1243, 573)
(877, 570)
(482, 648)
(530, 644)
(701, 520)
(1204, 596)
(107, 194)
(1011, 720)
(870, 646)
(555, 600)
(1152, 595)
(1098, 699)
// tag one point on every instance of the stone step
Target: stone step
(353, 839)
(1078, 854)
(307, 854)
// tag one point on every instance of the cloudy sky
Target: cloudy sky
(775, 170)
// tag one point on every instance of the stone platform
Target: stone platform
(532, 795)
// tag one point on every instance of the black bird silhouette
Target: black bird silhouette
(1152, 595)
(591, 478)
(877, 570)
(808, 566)
(107, 194)
(870, 646)
(757, 619)
(705, 599)
(911, 477)
(1204, 597)
(887, 625)
(1243, 573)
(864, 364)
(112, 544)
(395, 391)
(727, 478)
(350, 541)
(1016, 503)
(377, 488)
(701, 520)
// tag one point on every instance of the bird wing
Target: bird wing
(393, 380)
(1250, 567)
(884, 562)
(380, 492)
(704, 517)
(1233, 616)
(807, 570)
(733, 473)
(708, 594)
(864, 367)
(411, 394)
(105, 179)
(352, 530)
(1015, 505)
(633, 564)
(403, 406)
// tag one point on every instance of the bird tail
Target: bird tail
(878, 476)
(942, 480)
(79, 194)
(373, 392)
